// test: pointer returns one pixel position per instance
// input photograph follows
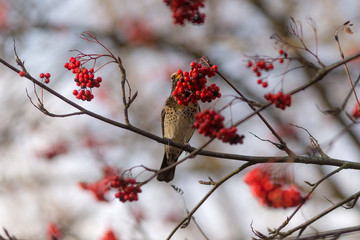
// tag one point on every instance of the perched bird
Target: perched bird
(176, 124)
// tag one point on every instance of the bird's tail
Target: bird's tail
(167, 175)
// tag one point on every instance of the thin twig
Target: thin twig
(333, 234)
(186, 220)
(303, 226)
(276, 232)
(343, 57)
(284, 146)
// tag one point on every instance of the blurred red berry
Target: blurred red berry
(356, 112)
(186, 10)
(109, 235)
(270, 193)
(53, 232)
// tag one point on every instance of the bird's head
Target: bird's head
(175, 77)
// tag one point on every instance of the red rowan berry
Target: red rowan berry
(47, 80)
(109, 235)
(186, 10)
(191, 86)
(84, 78)
(356, 112)
(42, 75)
(269, 193)
(47, 75)
(281, 51)
(21, 73)
(210, 123)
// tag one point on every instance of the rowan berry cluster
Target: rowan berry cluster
(46, 76)
(270, 193)
(280, 99)
(191, 86)
(211, 124)
(100, 187)
(283, 55)
(127, 188)
(53, 232)
(261, 65)
(84, 78)
(356, 112)
(186, 10)
(109, 235)
(53, 150)
(258, 66)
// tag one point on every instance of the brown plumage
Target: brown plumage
(176, 124)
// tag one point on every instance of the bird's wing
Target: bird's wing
(162, 120)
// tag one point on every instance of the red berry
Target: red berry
(281, 51)
(42, 75)
(47, 80)
(47, 75)
(21, 73)
(264, 84)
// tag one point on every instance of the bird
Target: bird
(176, 124)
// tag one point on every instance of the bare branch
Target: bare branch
(186, 220)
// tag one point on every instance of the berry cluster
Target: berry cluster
(191, 86)
(53, 232)
(270, 193)
(356, 112)
(210, 123)
(100, 187)
(283, 55)
(127, 189)
(109, 235)
(186, 10)
(258, 66)
(46, 76)
(84, 79)
(53, 150)
(280, 99)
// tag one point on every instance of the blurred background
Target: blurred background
(43, 159)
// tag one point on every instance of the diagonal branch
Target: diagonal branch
(187, 219)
